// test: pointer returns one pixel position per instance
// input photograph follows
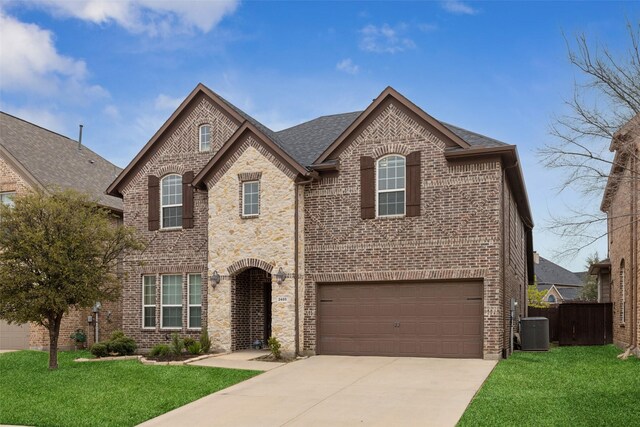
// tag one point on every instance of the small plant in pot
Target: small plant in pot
(79, 338)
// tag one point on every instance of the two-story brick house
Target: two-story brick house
(618, 275)
(381, 232)
(35, 158)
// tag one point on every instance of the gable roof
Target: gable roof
(548, 272)
(222, 154)
(49, 160)
(389, 93)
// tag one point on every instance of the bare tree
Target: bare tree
(606, 98)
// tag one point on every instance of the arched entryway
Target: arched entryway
(250, 308)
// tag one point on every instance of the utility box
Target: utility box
(534, 333)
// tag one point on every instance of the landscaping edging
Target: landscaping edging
(144, 360)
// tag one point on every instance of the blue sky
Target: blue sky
(121, 67)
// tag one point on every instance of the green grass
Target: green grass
(567, 386)
(118, 393)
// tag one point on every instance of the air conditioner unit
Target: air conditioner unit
(534, 333)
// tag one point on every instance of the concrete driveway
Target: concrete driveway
(342, 391)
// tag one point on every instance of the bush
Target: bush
(160, 350)
(99, 350)
(274, 346)
(122, 346)
(195, 347)
(177, 345)
(188, 341)
(205, 341)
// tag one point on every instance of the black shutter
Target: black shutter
(413, 184)
(187, 200)
(367, 187)
(154, 202)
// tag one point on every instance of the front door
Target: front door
(267, 310)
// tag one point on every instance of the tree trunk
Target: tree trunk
(54, 331)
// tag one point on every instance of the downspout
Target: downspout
(296, 261)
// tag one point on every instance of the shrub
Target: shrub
(117, 334)
(79, 336)
(99, 350)
(122, 346)
(177, 345)
(188, 341)
(160, 350)
(195, 347)
(274, 346)
(205, 341)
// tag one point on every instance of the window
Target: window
(551, 298)
(623, 296)
(205, 138)
(172, 301)
(195, 301)
(148, 301)
(171, 199)
(251, 198)
(391, 185)
(7, 198)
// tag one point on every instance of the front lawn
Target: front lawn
(119, 393)
(580, 386)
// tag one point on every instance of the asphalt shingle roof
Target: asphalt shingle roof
(306, 141)
(548, 272)
(56, 161)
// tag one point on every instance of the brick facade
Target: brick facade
(622, 206)
(469, 228)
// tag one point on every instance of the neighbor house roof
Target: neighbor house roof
(50, 160)
(548, 272)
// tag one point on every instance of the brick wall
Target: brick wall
(457, 236)
(181, 251)
(622, 245)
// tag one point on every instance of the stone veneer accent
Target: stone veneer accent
(265, 242)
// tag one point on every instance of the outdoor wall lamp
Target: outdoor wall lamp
(215, 278)
(280, 276)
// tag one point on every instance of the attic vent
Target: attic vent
(92, 161)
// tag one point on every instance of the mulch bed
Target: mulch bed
(172, 357)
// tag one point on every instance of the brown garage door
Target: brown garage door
(13, 337)
(401, 319)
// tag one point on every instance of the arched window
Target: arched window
(205, 138)
(171, 202)
(390, 183)
(551, 299)
(623, 296)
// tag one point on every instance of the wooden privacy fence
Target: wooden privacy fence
(578, 323)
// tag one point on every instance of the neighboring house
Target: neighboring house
(32, 157)
(381, 232)
(560, 284)
(619, 277)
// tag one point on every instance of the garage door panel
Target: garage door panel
(13, 337)
(401, 319)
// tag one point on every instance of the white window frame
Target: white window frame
(8, 193)
(623, 297)
(244, 183)
(175, 205)
(404, 189)
(155, 302)
(163, 305)
(189, 305)
(200, 137)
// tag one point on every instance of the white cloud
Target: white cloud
(164, 102)
(385, 39)
(29, 59)
(347, 66)
(111, 111)
(458, 7)
(153, 17)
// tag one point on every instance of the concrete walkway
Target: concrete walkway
(239, 360)
(342, 391)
